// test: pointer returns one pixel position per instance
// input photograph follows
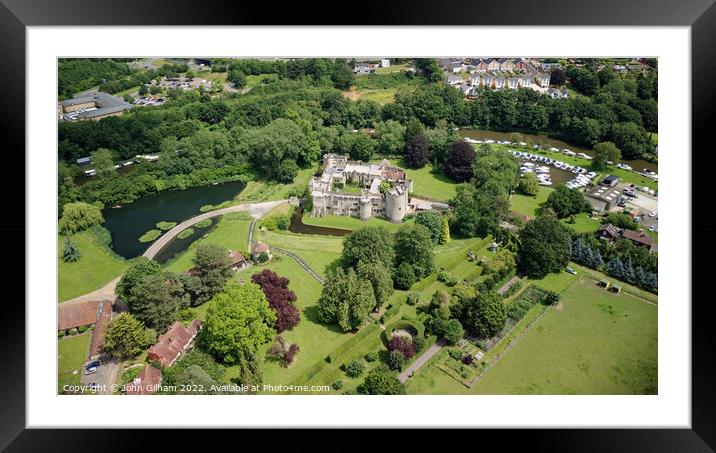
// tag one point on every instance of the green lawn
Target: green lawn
(349, 223)
(264, 190)
(527, 205)
(583, 223)
(71, 355)
(391, 69)
(232, 232)
(317, 251)
(255, 80)
(97, 266)
(429, 182)
(381, 96)
(592, 342)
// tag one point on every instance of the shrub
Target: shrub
(372, 356)
(71, 252)
(187, 314)
(82, 329)
(551, 298)
(404, 276)
(355, 368)
(60, 333)
(72, 331)
(418, 344)
(413, 297)
(402, 344)
(396, 359)
(455, 354)
(468, 359)
(337, 385)
(443, 276)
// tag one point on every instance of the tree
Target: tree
(458, 164)
(283, 352)
(355, 368)
(429, 69)
(362, 147)
(454, 331)
(280, 298)
(528, 185)
(396, 359)
(102, 161)
(413, 128)
(603, 152)
(238, 321)
(143, 90)
(286, 171)
(79, 216)
(485, 315)
(127, 337)
(416, 151)
(404, 276)
(155, 300)
(381, 382)
(372, 244)
(558, 77)
(402, 344)
(566, 202)
(380, 279)
(237, 78)
(391, 137)
(445, 234)
(342, 76)
(631, 139)
(211, 264)
(413, 245)
(345, 299)
(138, 269)
(71, 252)
(546, 246)
(434, 223)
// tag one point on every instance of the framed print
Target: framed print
(451, 224)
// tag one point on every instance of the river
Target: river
(128, 223)
(479, 134)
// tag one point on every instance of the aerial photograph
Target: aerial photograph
(456, 225)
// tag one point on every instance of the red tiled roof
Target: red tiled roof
(260, 247)
(236, 258)
(173, 342)
(637, 236)
(100, 329)
(77, 314)
(146, 383)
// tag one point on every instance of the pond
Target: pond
(128, 223)
(479, 134)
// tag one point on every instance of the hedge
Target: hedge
(401, 324)
(348, 345)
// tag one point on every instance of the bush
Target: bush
(72, 331)
(413, 298)
(396, 359)
(372, 356)
(187, 314)
(404, 276)
(402, 344)
(337, 385)
(418, 343)
(468, 359)
(60, 333)
(455, 354)
(355, 369)
(551, 298)
(443, 276)
(82, 329)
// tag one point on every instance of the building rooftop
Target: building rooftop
(259, 247)
(146, 383)
(173, 342)
(78, 314)
(638, 236)
(105, 104)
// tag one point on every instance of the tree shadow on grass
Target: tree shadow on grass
(311, 314)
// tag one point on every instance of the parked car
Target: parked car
(652, 214)
(91, 368)
(571, 271)
(651, 228)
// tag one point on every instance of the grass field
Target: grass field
(232, 232)
(392, 68)
(256, 80)
(97, 266)
(592, 342)
(583, 223)
(349, 223)
(428, 183)
(527, 205)
(317, 251)
(71, 355)
(263, 190)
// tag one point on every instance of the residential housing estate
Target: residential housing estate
(496, 73)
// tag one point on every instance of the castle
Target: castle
(360, 189)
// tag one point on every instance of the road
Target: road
(422, 360)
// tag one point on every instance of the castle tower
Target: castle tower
(396, 204)
(366, 208)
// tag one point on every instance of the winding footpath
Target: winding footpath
(255, 210)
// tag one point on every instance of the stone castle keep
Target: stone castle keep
(331, 196)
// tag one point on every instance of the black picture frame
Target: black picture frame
(700, 15)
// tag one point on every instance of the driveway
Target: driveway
(422, 360)
(104, 377)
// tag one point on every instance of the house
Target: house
(493, 64)
(455, 67)
(500, 83)
(549, 66)
(639, 238)
(464, 88)
(639, 67)
(481, 66)
(84, 161)
(147, 383)
(555, 93)
(173, 343)
(94, 313)
(384, 63)
(364, 68)
(610, 181)
(506, 64)
(453, 80)
(258, 249)
(608, 232)
(620, 69)
(520, 64)
(513, 83)
(237, 261)
(542, 79)
(476, 79)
